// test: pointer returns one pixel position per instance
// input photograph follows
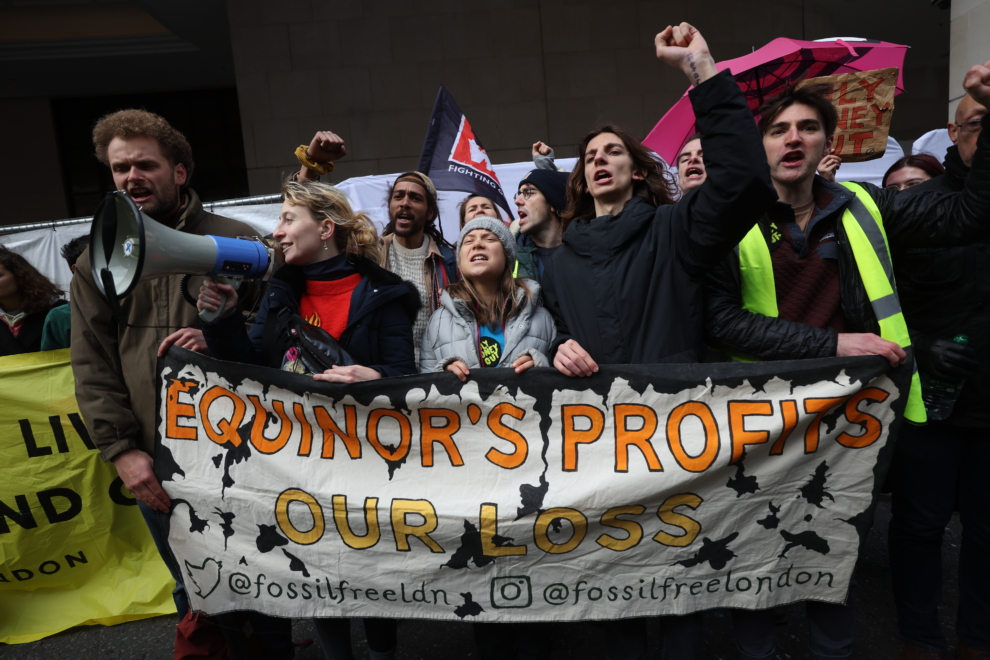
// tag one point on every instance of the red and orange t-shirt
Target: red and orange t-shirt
(327, 304)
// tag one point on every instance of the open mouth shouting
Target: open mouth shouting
(602, 177)
(140, 194)
(479, 257)
(793, 158)
(694, 172)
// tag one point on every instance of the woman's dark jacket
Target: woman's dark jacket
(921, 217)
(28, 339)
(628, 288)
(379, 324)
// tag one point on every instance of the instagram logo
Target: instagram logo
(511, 591)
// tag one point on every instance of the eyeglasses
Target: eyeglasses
(971, 126)
(527, 192)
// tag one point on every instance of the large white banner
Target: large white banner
(639, 491)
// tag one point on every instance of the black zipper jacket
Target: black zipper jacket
(628, 287)
(924, 219)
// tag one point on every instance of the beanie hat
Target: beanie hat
(496, 227)
(552, 184)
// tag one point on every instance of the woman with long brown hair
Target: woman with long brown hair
(26, 297)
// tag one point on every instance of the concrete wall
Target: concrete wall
(970, 44)
(30, 174)
(521, 70)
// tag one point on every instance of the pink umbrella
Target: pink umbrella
(762, 74)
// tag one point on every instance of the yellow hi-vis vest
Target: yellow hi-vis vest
(864, 228)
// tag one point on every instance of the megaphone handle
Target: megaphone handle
(207, 315)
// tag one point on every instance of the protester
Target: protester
(413, 246)
(942, 465)
(816, 303)
(625, 286)
(691, 164)
(27, 298)
(472, 329)
(909, 171)
(477, 206)
(490, 319)
(331, 277)
(115, 361)
(57, 332)
(541, 198)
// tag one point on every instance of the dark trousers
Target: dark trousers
(273, 635)
(932, 466)
(335, 636)
(682, 638)
(160, 537)
(514, 641)
(830, 628)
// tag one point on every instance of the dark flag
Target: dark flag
(453, 156)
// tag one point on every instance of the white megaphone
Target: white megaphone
(126, 246)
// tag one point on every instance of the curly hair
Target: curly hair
(37, 292)
(658, 187)
(354, 232)
(72, 250)
(127, 124)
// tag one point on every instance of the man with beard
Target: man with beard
(413, 247)
(115, 360)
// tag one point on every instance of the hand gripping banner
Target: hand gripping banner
(642, 490)
(74, 549)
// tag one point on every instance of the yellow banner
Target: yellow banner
(74, 548)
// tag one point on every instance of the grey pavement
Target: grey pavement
(877, 636)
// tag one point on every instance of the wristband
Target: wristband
(306, 161)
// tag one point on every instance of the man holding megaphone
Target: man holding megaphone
(117, 335)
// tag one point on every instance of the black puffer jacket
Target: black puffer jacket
(946, 292)
(378, 332)
(926, 219)
(627, 287)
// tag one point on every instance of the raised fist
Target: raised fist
(327, 147)
(684, 47)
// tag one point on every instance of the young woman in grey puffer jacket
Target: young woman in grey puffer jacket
(488, 319)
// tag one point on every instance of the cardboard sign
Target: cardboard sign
(642, 490)
(864, 101)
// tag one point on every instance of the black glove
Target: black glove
(945, 360)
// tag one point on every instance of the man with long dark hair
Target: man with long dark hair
(413, 246)
(625, 286)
